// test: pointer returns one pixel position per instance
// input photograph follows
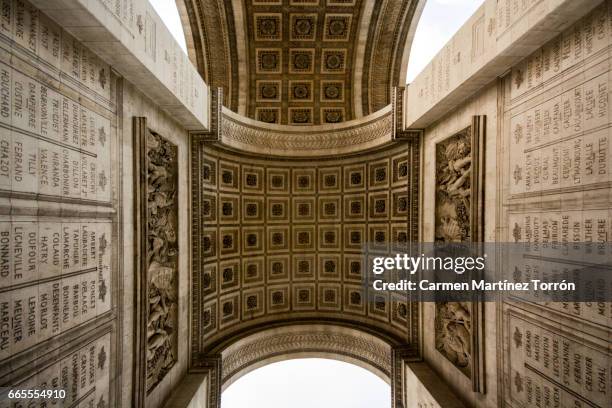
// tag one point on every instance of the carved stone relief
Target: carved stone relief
(453, 328)
(159, 252)
(453, 181)
(268, 345)
(458, 218)
(375, 130)
(453, 322)
(162, 257)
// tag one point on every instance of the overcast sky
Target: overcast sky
(308, 383)
(439, 21)
(339, 385)
(169, 14)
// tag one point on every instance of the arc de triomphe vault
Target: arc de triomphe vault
(170, 222)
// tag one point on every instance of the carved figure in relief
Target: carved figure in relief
(162, 257)
(453, 188)
(453, 327)
(453, 320)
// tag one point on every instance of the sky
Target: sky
(169, 14)
(339, 385)
(308, 383)
(439, 21)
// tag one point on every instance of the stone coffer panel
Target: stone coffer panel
(279, 240)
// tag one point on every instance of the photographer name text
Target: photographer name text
(504, 285)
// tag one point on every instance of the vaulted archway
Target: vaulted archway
(303, 382)
(302, 62)
(282, 215)
(239, 355)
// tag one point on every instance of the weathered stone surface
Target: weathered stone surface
(58, 222)
(279, 214)
(162, 254)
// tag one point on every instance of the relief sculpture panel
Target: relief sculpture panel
(453, 181)
(159, 260)
(458, 218)
(453, 333)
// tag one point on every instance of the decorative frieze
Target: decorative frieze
(459, 218)
(161, 164)
(366, 349)
(329, 139)
(158, 260)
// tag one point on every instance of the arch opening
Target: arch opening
(298, 341)
(169, 13)
(292, 380)
(301, 62)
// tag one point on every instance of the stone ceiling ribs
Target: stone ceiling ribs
(301, 62)
(385, 49)
(212, 44)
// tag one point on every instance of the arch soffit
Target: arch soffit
(226, 47)
(271, 345)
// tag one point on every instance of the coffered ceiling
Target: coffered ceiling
(281, 241)
(301, 62)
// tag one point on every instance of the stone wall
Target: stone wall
(60, 210)
(484, 103)
(67, 191)
(547, 181)
(135, 104)
(555, 155)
